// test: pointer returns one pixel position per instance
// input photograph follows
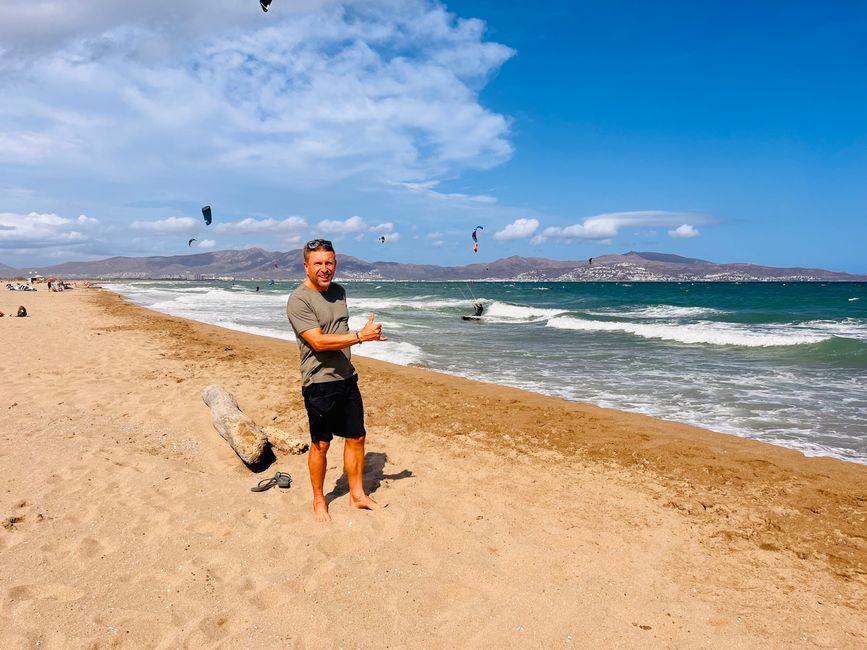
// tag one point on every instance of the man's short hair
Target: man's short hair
(316, 245)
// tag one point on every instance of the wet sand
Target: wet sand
(515, 520)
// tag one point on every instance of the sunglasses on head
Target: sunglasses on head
(313, 244)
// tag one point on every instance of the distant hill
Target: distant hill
(8, 272)
(256, 263)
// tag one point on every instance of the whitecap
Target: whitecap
(659, 311)
(508, 312)
(702, 332)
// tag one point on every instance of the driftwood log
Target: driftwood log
(238, 429)
(283, 442)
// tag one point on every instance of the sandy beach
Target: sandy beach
(515, 520)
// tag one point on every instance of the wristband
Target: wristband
(358, 336)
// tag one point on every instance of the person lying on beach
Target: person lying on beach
(318, 314)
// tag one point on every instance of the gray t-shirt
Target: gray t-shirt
(308, 309)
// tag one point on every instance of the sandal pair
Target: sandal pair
(280, 479)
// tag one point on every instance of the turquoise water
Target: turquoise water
(783, 363)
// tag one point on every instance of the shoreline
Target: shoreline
(805, 445)
(655, 533)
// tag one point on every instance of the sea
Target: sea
(785, 363)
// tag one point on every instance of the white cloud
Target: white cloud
(293, 240)
(168, 226)
(518, 229)
(27, 232)
(83, 219)
(334, 228)
(383, 228)
(426, 189)
(206, 243)
(437, 239)
(684, 231)
(251, 225)
(381, 90)
(37, 27)
(605, 227)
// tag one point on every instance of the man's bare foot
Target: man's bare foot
(320, 510)
(365, 503)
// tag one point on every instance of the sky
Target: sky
(727, 131)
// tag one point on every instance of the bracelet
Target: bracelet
(358, 336)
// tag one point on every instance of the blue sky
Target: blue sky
(726, 131)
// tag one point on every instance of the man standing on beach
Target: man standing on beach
(318, 314)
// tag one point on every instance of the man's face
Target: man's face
(320, 267)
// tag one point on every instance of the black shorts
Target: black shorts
(334, 408)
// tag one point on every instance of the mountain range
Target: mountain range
(259, 264)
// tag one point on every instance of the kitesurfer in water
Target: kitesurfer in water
(478, 309)
(318, 314)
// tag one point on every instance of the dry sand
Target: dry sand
(516, 520)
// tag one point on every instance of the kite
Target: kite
(590, 262)
(382, 239)
(265, 4)
(476, 239)
(206, 213)
(190, 243)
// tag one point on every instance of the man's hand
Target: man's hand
(372, 331)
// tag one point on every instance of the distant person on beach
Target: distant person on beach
(329, 384)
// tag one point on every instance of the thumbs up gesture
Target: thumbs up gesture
(372, 331)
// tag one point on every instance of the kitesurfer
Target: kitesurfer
(478, 309)
(319, 316)
(476, 239)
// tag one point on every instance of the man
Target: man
(329, 383)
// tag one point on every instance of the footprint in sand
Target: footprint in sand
(52, 591)
(89, 547)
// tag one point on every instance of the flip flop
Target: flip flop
(281, 479)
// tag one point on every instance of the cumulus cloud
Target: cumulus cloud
(36, 27)
(207, 243)
(251, 225)
(518, 229)
(168, 226)
(684, 231)
(605, 227)
(334, 228)
(382, 90)
(28, 232)
(83, 219)
(383, 228)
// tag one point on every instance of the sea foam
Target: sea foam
(707, 332)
